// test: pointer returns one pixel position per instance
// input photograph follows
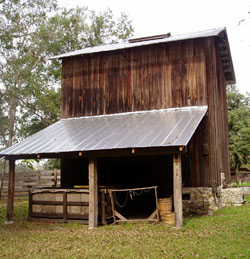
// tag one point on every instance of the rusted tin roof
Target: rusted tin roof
(157, 128)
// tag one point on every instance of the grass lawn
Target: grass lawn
(224, 235)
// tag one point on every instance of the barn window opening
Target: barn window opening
(186, 196)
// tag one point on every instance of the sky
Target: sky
(185, 16)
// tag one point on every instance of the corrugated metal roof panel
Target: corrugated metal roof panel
(157, 128)
(125, 45)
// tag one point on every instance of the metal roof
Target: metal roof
(220, 33)
(125, 45)
(157, 128)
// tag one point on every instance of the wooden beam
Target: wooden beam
(93, 193)
(101, 153)
(11, 191)
(178, 191)
(118, 215)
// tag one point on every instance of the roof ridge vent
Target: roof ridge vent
(156, 37)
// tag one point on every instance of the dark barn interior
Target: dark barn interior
(125, 173)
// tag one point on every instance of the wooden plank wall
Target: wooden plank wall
(208, 150)
(145, 78)
(222, 123)
(35, 179)
(176, 74)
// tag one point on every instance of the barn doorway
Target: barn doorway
(137, 172)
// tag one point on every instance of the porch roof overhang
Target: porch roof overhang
(157, 130)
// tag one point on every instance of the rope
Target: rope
(138, 194)
(125, 201)
(131, 194)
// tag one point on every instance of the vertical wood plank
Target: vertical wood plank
(11, 190)
(76, 96)
(103, 204)
(30, 204)
(65, 207)
(112, 205)
(93, 193)
(211, 79)
(168, 80)
(156, 202)
(222, 120)
(177, 191)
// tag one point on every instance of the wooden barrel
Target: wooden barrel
(165, 210)
(168, 218)
(165, 205)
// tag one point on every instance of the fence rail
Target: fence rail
(244, 176)
(35, 179)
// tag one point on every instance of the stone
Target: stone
(205, 200)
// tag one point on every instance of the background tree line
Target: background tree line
(30, 32)
(239, 128)
(30, 98)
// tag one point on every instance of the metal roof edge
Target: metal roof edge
(137, 112)
(126, 45)
(196, 127)
(5, 152)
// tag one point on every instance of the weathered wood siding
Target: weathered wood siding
(144, 78)
(176, 74)
(208, 150)
(26, 180)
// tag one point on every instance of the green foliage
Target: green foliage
(247, 184)
(53, 164)
(26, 165)
(239, 127)
(30, 32)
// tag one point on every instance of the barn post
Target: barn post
(93, 193)
(177, 177)
(11, 191)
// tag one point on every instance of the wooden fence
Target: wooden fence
(244, 176)
(26, 180)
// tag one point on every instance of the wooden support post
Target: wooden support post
(156, 202)
(11, 190)
(103, 206)
(55, 178)
(93, 193)
(177, 191)
(112, 205)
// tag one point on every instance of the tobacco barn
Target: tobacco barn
(141, 121)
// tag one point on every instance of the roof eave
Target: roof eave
(118, 46)
(225, 53)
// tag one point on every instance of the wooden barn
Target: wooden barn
(143, 118)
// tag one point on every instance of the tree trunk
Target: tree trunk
(12, 120)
